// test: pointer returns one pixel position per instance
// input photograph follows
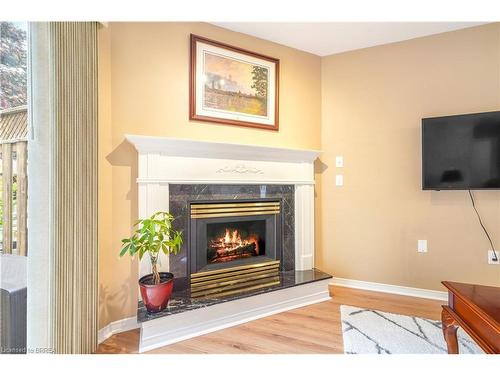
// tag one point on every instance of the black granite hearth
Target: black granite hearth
(181, 301)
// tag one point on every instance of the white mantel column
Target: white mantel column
(304, 227)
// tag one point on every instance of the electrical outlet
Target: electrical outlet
(422, 246)
(339, 161)
(491, 257)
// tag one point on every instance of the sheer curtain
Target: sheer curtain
(62, 203)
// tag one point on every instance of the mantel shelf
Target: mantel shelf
(218, 150)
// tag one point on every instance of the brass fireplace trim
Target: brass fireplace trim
(272, 264)
(221, 292)
(235, 204)
(204, 210)
(236, 279)
(232, 276)
(228, 283)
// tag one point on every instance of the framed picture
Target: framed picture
(233, 86)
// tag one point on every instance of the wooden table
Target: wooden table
(475, 308)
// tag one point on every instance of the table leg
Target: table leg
(450, 327)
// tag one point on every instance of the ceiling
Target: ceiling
(325, 39)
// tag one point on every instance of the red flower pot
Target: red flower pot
(155, 297)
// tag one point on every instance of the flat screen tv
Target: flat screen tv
(461, 152)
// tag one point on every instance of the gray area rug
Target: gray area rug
(368, 331)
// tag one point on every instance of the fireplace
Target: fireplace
(172, 175)
(234, 244)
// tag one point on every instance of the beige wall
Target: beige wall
(372, 104)
(143, 80)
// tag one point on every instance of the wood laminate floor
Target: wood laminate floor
(311, 329)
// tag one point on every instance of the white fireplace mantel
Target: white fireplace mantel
(164, 161)
(218, 150)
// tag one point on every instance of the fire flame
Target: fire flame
(232, 240)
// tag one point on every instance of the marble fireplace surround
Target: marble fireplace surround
(169, 166)
(179, 206)
(171, 161)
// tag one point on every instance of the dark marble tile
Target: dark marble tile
(182, 194)
(181, 300)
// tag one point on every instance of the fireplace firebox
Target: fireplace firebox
(234, 244)
(232, 241)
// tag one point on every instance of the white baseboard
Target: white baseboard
(170, 329)
(388, 288)
(115, 327)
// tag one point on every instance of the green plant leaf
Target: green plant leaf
(133, 249)
(124, 250)
(142, 251)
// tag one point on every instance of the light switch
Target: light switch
(339, 180)
(339, 161)
(422, 246)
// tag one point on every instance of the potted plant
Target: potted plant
(154, 235)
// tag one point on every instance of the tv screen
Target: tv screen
(461, 152)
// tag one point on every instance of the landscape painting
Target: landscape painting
(233, 86)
